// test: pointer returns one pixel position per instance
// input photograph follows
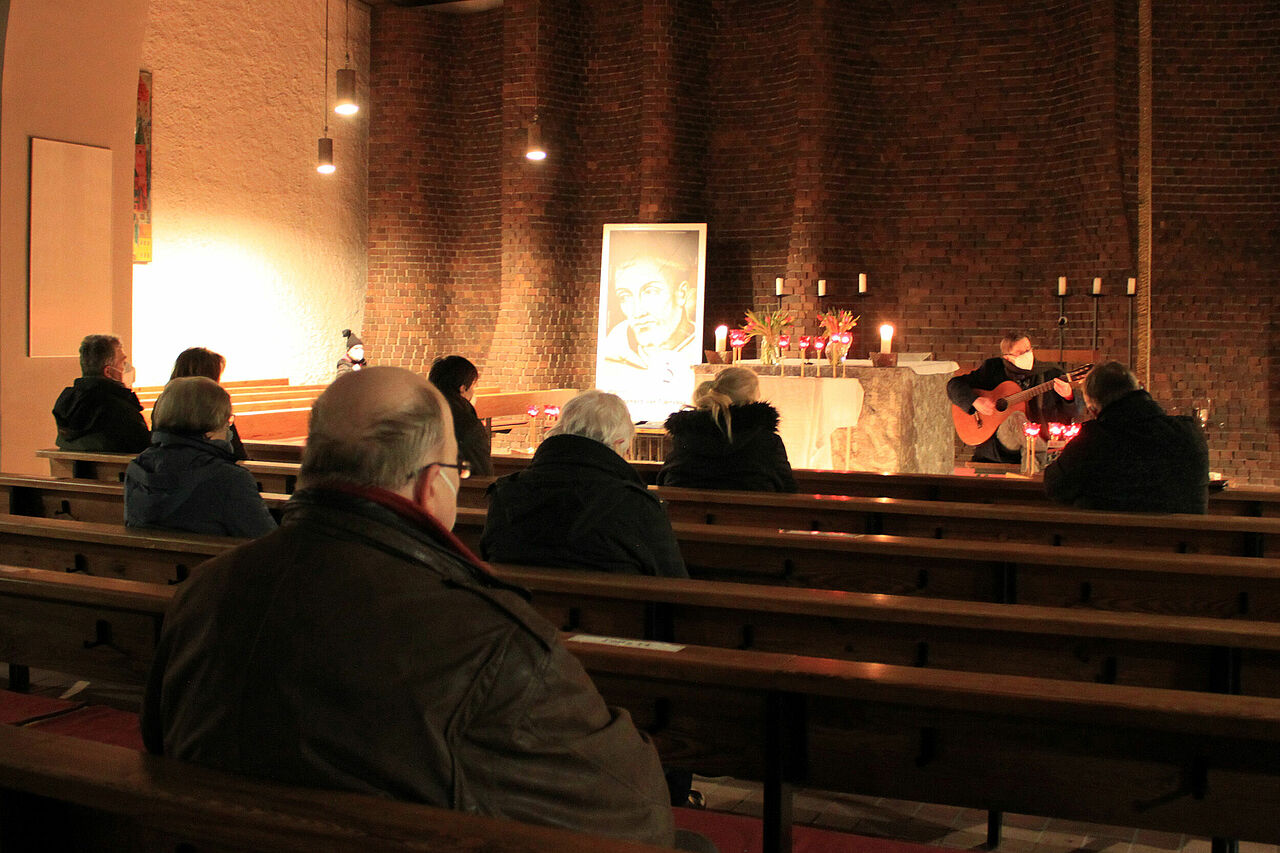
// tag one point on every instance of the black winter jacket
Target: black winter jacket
(1135, 458)
(475, 445)
(702, 457)
(580, 505)
(185, 482)
(100, 414)
(1045, 409)
(361, 647)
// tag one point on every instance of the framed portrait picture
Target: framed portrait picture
(652, 288)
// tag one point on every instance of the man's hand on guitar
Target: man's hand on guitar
(984, 406)
(1063, 389)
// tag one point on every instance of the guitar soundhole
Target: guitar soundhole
(1002, 405)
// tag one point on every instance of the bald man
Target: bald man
(362, 647)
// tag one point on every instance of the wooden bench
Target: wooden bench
(1173, 760)
(276, 477)
(107, 628)
(61, 793)
(1105, 579)
(1225, 535)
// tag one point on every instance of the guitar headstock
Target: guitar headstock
(1080, 372)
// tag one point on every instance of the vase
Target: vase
(836, 353)
(769, 353)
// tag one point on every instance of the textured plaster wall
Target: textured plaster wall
(70, 73)
(255, 254)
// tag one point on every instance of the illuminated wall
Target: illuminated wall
(255, 255)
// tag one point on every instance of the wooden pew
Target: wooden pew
(277, 477)
(1173, 760)
(107, 628)
(1067, 527)
(61, 793)
(1105, 579)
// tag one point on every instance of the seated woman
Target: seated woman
(354, 359)
(188, 479)
(456, 378)
(728, 440)
(580, 504)
(198, 361)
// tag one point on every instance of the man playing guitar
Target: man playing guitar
(972, 393)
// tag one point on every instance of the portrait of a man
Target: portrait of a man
(651, 315)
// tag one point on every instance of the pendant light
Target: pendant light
(534, 149)
(324, 158)
(345, 104)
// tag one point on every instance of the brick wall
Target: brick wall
(963, 155)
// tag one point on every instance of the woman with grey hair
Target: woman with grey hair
(188, 479)
(580, 504)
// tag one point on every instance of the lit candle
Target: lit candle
(886, 337)
(822, 287)
(777, 286)
(722, 338)
(1133, 287)
(862, 282)
(1062, 285)
(1097, 287)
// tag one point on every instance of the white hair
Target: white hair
(598, 415)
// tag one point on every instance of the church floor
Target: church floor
(922, 823)
(951, 826)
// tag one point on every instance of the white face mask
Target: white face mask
(1024, 361)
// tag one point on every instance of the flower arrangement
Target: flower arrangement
(837, 325)
(769, 326)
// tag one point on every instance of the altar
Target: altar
(864, 418)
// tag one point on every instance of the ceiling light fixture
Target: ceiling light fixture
(324, 160)
(346, 104)
(534, 149)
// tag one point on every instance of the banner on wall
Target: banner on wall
(652, 284)
(142, 173)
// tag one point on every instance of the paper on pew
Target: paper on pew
(621, 641)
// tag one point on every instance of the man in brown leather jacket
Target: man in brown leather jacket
(362, 647)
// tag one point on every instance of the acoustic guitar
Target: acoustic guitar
(975, 427)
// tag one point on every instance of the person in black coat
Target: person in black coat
(198, 361)
(580, 504)
(1132, 457)
(728, 441)
(99, 411)
(456, 378)
(1018, 364)
(188, 478)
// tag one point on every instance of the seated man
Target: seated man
(1133, 456)
(100, 412)
(580, 504)
(362, 647)
(1017, 364)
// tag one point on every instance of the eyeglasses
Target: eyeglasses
(463, 468)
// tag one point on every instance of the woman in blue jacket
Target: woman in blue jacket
(188, 479)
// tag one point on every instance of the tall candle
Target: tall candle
(822, 287)
(886, 337)
(1062, 285)
(777, 286)
(1097, 287)
(1133, 287)
(862, 282)
(722, 338)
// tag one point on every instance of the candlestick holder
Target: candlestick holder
(1129, 327)
(1096, 297)
(1062, 326)
(884, 359)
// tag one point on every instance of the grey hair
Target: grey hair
(1109, 382)
(733, 386)
(385, 451)
(597, 415)
(96, 352)
(191, 405)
